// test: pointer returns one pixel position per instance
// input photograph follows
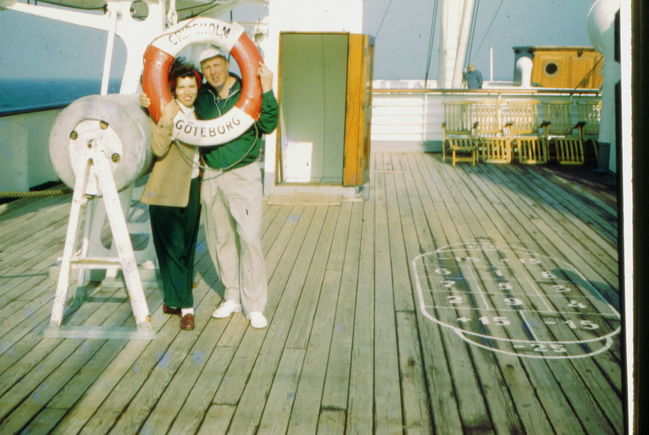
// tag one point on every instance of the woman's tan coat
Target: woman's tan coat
(170, 177)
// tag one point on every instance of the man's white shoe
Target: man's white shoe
(257, 320)
(226, 309)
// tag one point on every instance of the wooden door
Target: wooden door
(358, 114)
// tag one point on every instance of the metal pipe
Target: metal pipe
(442, 70)
(460, 57)
(108, 56)
(491, 63)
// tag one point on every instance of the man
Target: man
(231, 192)
(473, 78)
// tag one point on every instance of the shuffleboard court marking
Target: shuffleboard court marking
(513, 300)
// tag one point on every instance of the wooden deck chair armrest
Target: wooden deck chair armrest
(580, 126)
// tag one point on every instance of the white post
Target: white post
(121, 237)
(491, 63)
(108, 56)
(63, 281)
(442, 71)
(460, 57)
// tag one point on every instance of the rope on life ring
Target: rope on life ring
(159, 57)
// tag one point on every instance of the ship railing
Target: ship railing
(512, 123)
(24, 135)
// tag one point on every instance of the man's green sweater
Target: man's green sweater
(246, 148)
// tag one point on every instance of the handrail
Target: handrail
(519, 116)
(31, 109)
(497, 92)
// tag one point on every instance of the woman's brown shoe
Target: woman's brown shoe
(187, 322)
(168, 310)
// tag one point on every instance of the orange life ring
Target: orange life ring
(231, 37)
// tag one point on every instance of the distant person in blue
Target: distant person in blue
(473, 78)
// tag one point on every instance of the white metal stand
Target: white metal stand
(97, 170)
(93, 243)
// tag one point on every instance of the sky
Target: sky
(402, 39)
(41, 48)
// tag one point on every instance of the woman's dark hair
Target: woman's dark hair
(180, 69)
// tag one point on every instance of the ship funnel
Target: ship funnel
(115, 124)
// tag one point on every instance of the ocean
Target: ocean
(18, 95)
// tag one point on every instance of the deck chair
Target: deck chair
(494, 144)
(563, 133)
(589, 113)
(528, 140)
(458, 137)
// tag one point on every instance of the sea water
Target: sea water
(17, 95)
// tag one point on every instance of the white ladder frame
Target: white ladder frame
(97, 168)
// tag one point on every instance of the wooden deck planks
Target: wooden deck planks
(360, 407)
(472, 228)
(570, 229)
(479, 368)
(582, 399)
(499, 403)
(336, 387)
(306, 409)
(348, 348)
(56, 369)
(284, 297)
(428, 223)
(388, 413)
(472, 406)
(527, 404)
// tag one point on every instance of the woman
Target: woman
(172, 193)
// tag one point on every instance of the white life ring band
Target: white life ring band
(159, 57)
